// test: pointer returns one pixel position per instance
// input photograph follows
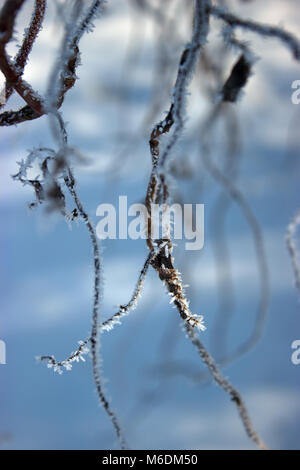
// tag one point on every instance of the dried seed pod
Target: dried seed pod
(237, 79)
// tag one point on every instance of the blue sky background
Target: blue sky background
(46, 268)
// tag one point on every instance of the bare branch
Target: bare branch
(29, 39)
(227, 387)
(288, 39)
(8, 15)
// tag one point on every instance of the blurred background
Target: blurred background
(159, 389)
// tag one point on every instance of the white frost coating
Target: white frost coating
(106, 326)
(74, 30)
(185, 71)
(66, 364)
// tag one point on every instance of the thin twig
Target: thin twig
(288, 39)
(106, 325)
(227, 387)
(28, 42)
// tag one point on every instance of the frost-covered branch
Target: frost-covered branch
(86, 25)
(186, 68)
(288, 39)
(23, 88)
(30, 36)
(56, 179)
(62, 170)
(227, 387)
(68, 63)
(106, 325)
(124, 310)
(8, 15)
(11, 70)
(163, 263)
(157, 190)
(94, 338)
(67, 363)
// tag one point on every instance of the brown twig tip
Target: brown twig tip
(163, 263)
